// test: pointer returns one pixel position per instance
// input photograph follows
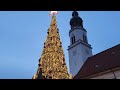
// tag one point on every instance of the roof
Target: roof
(100, 62)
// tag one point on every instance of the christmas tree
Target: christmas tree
(52, 62)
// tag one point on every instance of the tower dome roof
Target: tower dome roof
(76, 20)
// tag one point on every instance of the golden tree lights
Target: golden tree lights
(52, 62)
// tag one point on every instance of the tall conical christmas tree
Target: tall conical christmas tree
(52, 62)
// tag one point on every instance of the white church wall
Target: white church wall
(117, 74)
(79, 53)
(86, 52)
(107, 75)
(75, 58)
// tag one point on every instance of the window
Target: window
(73, 39)
(96, 66)
(84, 38)
(113, 53)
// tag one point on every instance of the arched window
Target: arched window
(85, 38)
(73, 39)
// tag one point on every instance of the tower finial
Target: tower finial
(75, 14)
(53, 13)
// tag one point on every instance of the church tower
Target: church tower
(52, 62)
(79, 49)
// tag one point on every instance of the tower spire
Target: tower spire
(52, 62)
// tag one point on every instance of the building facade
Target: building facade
(104, 65)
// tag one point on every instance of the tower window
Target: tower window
(84, 38)
(73, 39)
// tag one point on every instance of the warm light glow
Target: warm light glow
(53, 13)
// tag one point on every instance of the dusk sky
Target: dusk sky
(23, 33)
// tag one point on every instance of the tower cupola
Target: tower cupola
(76, 21)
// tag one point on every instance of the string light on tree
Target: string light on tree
(52, 61)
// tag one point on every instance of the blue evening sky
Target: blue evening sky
(23, 33)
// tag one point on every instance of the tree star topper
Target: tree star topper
(52, 13)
